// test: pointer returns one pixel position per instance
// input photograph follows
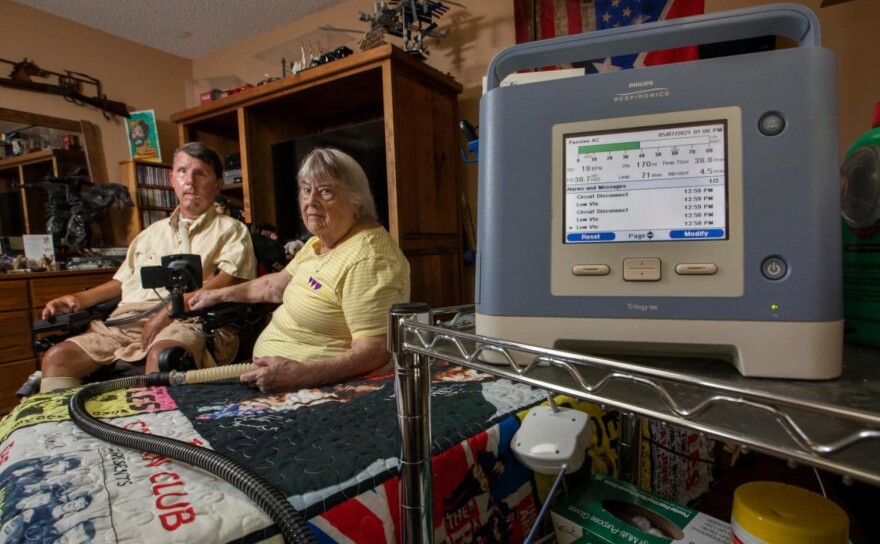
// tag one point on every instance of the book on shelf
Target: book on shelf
(157, 198)
(153, 175)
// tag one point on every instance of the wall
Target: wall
(141, 77)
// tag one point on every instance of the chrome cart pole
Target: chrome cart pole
(412, 386)
(629, 451)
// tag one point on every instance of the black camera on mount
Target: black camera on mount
(179, 274)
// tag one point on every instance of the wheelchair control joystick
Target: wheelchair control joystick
(179, 274)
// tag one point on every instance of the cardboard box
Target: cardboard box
(609, 511)
(202, 91)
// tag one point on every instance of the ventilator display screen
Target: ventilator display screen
(657, 183)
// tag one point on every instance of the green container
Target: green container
(860, 208)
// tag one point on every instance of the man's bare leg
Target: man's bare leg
(64, 365)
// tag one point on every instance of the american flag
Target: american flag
(542, 19)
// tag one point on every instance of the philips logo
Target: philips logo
(315, 284)
(643, 90)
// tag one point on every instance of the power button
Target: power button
(774, 268)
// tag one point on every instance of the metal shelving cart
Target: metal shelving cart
(833, 425)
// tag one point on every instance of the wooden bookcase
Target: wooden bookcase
(24, 209)
(417, 109)
(149, 184)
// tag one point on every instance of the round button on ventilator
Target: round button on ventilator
(771, 124)
(774, 268)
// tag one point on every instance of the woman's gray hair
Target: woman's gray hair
(329, 164)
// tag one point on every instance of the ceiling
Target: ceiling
(185, 28)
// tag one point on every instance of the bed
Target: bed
(333, 451)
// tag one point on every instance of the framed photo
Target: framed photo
(39, 250)
(143, 140)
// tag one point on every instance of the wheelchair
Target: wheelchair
(179, 274)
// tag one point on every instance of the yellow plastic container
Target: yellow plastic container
(776, 513)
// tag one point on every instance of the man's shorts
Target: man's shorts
(107, 344)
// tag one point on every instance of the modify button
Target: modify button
(696, 269)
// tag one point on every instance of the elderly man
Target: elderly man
(227, 255)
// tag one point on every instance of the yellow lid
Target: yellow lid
(785, 514)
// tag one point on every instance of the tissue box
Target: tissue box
(610, 511)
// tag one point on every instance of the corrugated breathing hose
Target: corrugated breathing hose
(268, 497)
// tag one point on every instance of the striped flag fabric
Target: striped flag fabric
(542, 19)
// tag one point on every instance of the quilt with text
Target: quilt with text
(333, 451)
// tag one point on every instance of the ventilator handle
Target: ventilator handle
(793, 21)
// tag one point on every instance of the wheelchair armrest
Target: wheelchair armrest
(76, 320)
(103, 310)
(236, 314)
(63, 322)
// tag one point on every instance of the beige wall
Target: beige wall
(141, 77)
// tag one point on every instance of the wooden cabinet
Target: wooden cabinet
(22, 297)
(381, 103)
(24, 210)
(149, 184)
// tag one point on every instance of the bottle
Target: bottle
(860, 208)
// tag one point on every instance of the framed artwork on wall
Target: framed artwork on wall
(143, 140)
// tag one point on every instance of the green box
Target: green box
(596, 512)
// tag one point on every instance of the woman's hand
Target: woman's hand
(273, 374)
(204, 298)
(61, 305)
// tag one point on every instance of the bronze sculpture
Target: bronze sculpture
(74, 203)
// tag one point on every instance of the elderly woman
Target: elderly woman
(335, 294)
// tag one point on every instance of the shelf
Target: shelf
(26, 213)
(149, 184)
(833, 425)
(44, 155)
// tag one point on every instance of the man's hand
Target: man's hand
(82, 300)
(159, 321)
(61, 305)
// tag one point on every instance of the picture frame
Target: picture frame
(39, 250)
(143, 139)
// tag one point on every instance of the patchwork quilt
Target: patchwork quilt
(333, 451)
